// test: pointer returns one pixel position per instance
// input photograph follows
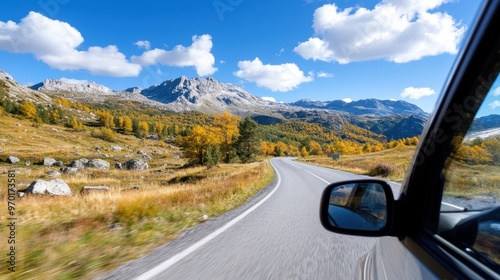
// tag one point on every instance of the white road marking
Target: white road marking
(179, 256)
(454, 206)
(308, 172)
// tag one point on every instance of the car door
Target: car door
(428, 233)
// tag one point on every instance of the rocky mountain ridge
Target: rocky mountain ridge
(207, 95)
(370, 106)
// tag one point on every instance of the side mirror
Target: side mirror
(358, 207)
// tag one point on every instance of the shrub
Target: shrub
(383, 169)
(105, 134)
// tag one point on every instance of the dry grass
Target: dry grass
(472, 180)
(399, 158)
(461, 179)
(79, 236)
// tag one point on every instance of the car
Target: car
(445, 222)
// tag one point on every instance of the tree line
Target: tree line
(207, 139)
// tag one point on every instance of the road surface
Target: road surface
(277, 235)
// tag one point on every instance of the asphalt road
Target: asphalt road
(277, 235)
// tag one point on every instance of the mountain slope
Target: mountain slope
(374, 107)
(10, 89)
(91, 92)
(209, 96)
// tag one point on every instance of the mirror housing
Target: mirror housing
(358, 207)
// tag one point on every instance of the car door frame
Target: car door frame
(416, 223)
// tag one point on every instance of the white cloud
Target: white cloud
(266, 98)
(74, 81)
(493, 105)
(347, 100)
(322, 74)
(399, 31)
(143, 44)
(197, 55)
(496, 91)
(55, 43)
(282, 77)
(417, 93)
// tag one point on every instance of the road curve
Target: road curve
(277, 235)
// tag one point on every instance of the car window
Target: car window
(472, 186)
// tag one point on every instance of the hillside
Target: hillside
(81, 235)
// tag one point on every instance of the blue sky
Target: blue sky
(285, 50)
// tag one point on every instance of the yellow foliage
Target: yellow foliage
(225, 129)
(315, 148)
(105, 118)
(143, 129)
(27, 109)
(127, 124)
(76, 124)
(303, 152)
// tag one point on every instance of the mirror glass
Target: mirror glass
(359, 206)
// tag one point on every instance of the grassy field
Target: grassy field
(79, 236)
(399, 158)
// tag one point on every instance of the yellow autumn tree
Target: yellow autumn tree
(197, 143)
(304, 152)
(142, 129)
(225, 127)
(120, 121)
(127, 124)
(54, 117)
(315, 148)
(263, 148)
(27, 109)
(294, 151)
(105, 118)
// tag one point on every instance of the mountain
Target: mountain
(484, 127)
(373, 107)
(84, 91)
(10, 89)
(208, 95)
(72, 86)
(407, 127)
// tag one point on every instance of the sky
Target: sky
(277, 50)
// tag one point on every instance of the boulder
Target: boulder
(12, 159)
(69, 170)
(116, 148)
(135, 164)
(58, 163)
(98, 163)
(93, 189)
(53, 173)
(27, 163)
(79, 163)
(48, 161)
(118, 165)
(54, 187)
(139, 152)
(146, 157)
